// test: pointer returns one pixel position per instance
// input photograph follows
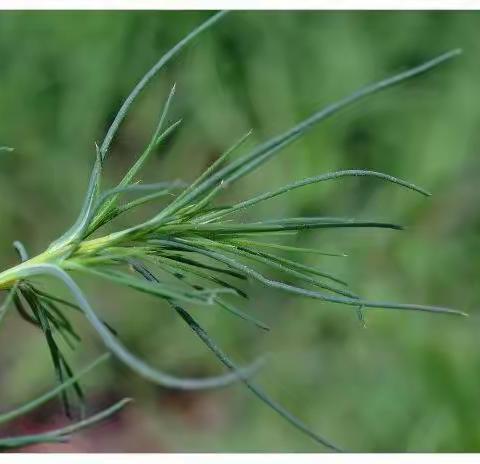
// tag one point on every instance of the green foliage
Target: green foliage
(190, 238)
(61, 434)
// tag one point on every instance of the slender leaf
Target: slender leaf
(313, 180)
(266, 150)
(123, 354)
(78, 229)
(62, 434)
(33, 404)
(310, 293)
(149, 75)
(257, 390)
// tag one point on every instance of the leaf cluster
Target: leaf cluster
(192, 252)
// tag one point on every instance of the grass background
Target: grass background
(410, 381)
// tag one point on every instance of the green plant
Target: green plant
(201, 255)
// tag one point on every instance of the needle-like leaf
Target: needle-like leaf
(33, 404)
(194, 246)
(150, 74)
(121, 352)
(62, 434)
(265, 151)
(312, 180)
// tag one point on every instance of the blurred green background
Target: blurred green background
(409, 381)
